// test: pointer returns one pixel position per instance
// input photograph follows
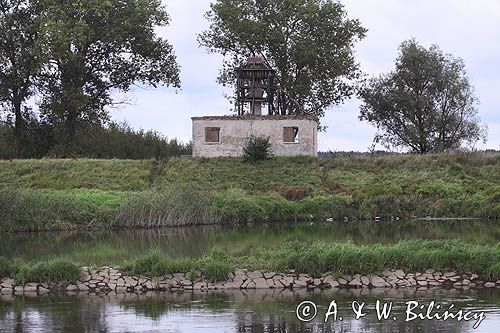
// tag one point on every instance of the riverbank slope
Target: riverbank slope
(53, 194)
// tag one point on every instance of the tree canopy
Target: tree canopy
(97, 46)
(87, 49)
(308, 42)
(21, 59)
(426, 104)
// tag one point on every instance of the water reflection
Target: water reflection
(236, 311)
(107, 247)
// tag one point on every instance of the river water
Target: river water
(111, 247)
(253, 311)
(237, 311)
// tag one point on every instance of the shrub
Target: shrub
(257, 149)
(116, 140)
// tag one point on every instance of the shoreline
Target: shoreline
(83, 194)
(79, 229)
(110, 279)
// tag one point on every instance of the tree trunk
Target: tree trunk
(18, 127)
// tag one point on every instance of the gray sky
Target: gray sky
(468, 29)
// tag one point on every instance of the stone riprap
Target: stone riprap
(109, 279)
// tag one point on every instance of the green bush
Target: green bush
(115, 140)
(257, 148)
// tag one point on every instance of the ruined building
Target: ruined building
(290, 135)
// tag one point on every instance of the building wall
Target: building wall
(235, 130)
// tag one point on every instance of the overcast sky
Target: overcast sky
(468, 29)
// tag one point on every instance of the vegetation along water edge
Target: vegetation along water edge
(295, 265)
(51, 194)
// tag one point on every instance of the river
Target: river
(238, 311)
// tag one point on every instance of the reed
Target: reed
(412, 256)
(55, 270)
(338, 258)
(304, 257)
(173, 206)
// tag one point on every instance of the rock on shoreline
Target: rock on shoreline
(110, 279)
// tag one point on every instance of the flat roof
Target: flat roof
(262, 117)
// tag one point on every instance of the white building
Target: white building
(215, 136)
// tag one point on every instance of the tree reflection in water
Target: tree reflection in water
(112, 247)
(256, 311)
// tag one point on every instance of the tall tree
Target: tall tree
(427, 104)
(21, 58)
(308, 42)
(97, 47)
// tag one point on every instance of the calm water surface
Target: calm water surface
(253, 311)
(102, 248)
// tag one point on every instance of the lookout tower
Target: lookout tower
(255, 86)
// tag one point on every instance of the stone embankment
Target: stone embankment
(109, 279)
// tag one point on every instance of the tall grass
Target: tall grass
(216, 265)
(172, 206)
(5, 267)
(52, 271)
(311, 258)
(413, 256)
(338, 258)
(27, 210)
(63, 194)
(213, 266)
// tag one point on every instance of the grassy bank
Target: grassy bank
(64, 194)
(51, 271)
(337, 258)
(311, 258)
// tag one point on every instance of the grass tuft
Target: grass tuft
(58, 270)
(5, 267)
